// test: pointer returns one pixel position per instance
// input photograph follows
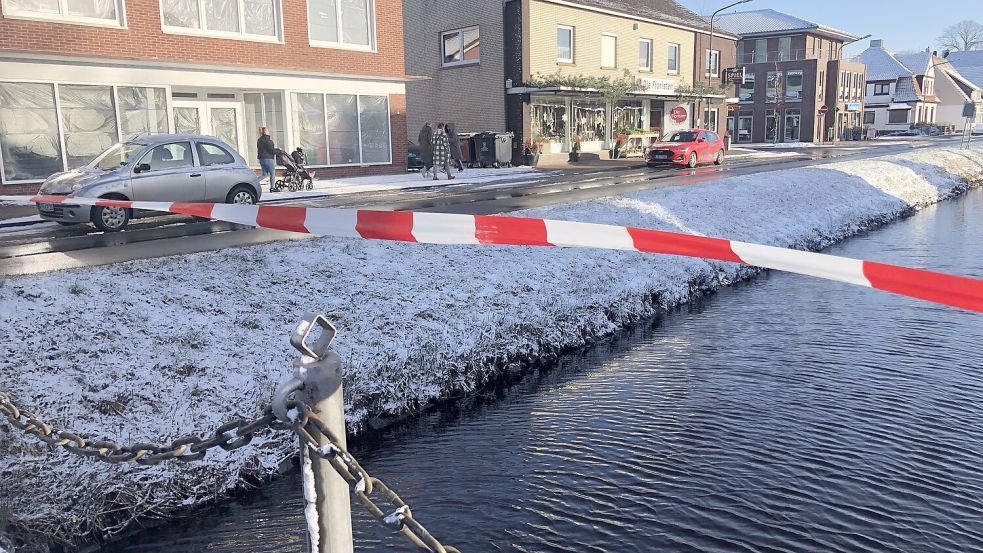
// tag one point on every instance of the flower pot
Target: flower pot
(532, 159)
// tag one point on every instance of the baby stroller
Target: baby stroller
(295, 176)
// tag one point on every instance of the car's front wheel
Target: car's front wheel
(110, 219)
(692, 160)
(720, 158)
(241, 195)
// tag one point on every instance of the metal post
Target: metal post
(317, 383)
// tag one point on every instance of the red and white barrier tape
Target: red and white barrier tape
(443, 228)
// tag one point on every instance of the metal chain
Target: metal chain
(363, 485)
(231, 435)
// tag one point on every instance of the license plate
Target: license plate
(46, 207)
(660, 156)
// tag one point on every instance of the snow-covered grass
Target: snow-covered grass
(153, 349)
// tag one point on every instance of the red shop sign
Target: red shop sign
(678, 114)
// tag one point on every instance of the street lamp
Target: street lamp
(710, 47)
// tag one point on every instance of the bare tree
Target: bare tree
(965, 35)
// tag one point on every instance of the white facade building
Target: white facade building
(898, 95)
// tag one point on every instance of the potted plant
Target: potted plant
(575, 140)
(619, 143)
(531, 151)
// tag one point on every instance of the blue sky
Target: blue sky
(890, 20)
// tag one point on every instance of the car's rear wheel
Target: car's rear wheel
(692, 160)
(241, 195)
(110, 219)
(720, 158)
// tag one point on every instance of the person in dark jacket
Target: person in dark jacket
(441, 152)
(426, 148)
(266, 152)
(455, 143)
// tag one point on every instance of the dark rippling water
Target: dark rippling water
(785, 414)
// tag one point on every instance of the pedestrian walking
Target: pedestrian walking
(455, 143)
(266, 152)
(441, 152)
(426, 148)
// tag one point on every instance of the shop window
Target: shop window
(29, 140)
(252, 19)
(645, 55)
(793, 124)
(589, 119)
(774, 81)
(86, 12)
(745, 124)
(793, 85)
(746, 92)
(142, 110)
(628, 117)
(673, 61)
(710, 119)
(309, 127)
(373, 117)
(609, 51)
(564, 44)
(341, 23)
(771, 125)
(549, 118)
(897, 116)
(88, 121)
(343, 138)
(460, 47)
(262, 110)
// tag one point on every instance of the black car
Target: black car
(413, 159)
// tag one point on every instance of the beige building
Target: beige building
(555, 47)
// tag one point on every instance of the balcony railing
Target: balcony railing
(782, 55)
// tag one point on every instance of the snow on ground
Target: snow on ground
(150, 350)
(400, 181)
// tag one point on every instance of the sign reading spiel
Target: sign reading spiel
(655, 86)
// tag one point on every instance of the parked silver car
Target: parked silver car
(153, 168)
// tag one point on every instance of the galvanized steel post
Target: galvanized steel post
(317, 383)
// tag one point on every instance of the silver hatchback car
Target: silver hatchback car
(153, 168)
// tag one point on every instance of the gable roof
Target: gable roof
(916, 62)
(882, 65)
(969, 64)
(666, 11)
(767, 21)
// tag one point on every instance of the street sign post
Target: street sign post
(823, 110)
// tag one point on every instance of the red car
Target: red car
(689, 148)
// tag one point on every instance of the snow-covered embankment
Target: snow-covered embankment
(151, 350)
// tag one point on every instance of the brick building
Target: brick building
(793, 68)
(79, 75)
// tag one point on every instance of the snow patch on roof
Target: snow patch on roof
(767, 21)
(916, 62)
(882, 65)
(969, 64)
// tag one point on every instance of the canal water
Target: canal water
(784, 414)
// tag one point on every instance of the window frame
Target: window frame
(573, 47)
(709, 56)
(669, 47)
(288, 115)
(873, 117)
(651, 44)
(373, 30)
(887, 89)
(615, 37)
(211, 33)
(200, 145)
(64, 17)
(906, 117)
(461, 32)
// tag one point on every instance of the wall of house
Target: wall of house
(143, 39)
(759, 104)
(543, 18)
(472, 96)
(728, 59)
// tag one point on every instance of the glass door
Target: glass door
(187, 120)
(223, 120)
(225, 125)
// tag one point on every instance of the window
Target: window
(745, 124)
(880, 89)
(341, 23)
(785, 48)
(774, 83)
(869, 117)
(793, 125)
(29, 131)
(710, 119)
(740, 53)
(609, 51)
(549, 117)
(897, 116)
(929, 86)
(590, 118)
(673, 64)
(746, 92)
(88, 119)
(760, 50)
(460, 47)
(712, 65)
(645, 55)
(793, 85)
(169, 156)
(629, 115)
(142, 110)
(564, 44)
(252, 19)
(771, 125)
(85, 12)
(341, 129)
(210, 154)
(262, 110)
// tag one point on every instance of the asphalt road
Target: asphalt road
(47, 247)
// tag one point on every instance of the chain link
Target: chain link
(233, 435)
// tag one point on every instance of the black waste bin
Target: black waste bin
(485, 149)
(467, 149)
